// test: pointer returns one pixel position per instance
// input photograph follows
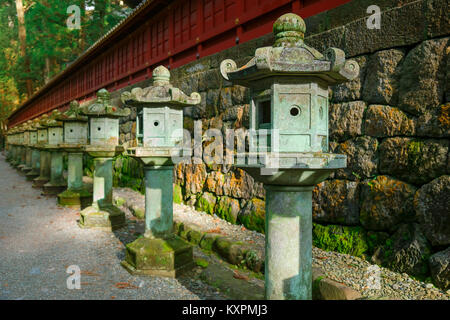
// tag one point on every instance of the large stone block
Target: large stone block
(386, 121)
(440, 268)
(381, 83)
(337, 202)
(432, 206)
(416, 161)
(206, 202)
(385, 203)
(253, 215)
(422, 80)
(362, 158)
(194, 179)
(346, 120)
(434, 123)
(406, 251)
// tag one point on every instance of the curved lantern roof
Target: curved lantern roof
(102, 107)
(53, 119)
(73, 114)
(290, 56)
(160, 93)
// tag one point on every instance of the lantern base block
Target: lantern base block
(53, 188)
(25, 170)
(75, 199)
(158, 257)
(108, 218)
(40, 181)
(31, 175)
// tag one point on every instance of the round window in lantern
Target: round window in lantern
(295, 111)
(156, 123)
(99, 128)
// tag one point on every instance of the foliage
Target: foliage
(50, 45)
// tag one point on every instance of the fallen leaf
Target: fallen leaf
(85, 283)
(38, 197)
(238, 275)
(243, 229)
(251, 241)
(113, 297)
(216, 230)
(125, 285)
(322, 258)
(89, 273)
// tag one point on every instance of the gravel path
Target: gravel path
(39, 240)
(351, 271)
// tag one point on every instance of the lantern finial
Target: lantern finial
(289, 30)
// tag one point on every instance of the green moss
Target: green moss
(177, 194)
(348, 240)
(120, 201)
(224, 209)
(206, 202)
(252, 222)
(202, 263)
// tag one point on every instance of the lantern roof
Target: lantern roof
(161, 92)
(290, 56)
(73, 113)
(53, 119)
(102, 107)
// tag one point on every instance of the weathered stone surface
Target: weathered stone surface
(386, 202)
(438, 19)
(210, 79)
(440, 268)
(413, 160)
(206, 202)
(432, 206)
(381, 83)
(399, 27)
(126, 127)
(238, 184)
(346, 120)
(386, 121)
(351, 90)
(336, 201)
(407, 251)
(422, 80)
(177, 194)
(227, 208)
(195, 176)
(362, 158)
(434, 123)
(253, 215)
(214, 182)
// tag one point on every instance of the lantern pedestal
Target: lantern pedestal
(45, 171)
(22, 159)
(289, 180)
(76, 196)
(27, 168)
(35, 165)
(57, 183)
(102, 214)
(159, 252)
(13, 158)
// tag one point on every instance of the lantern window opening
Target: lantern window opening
(264, 114)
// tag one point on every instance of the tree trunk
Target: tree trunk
(23, 43)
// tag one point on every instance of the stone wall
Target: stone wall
(392, 202)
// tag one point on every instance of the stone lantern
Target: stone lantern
(12, 146)
(21, 156)
(103, 146)
(8, 145)
(28, 133)
(160, 123)
(57, 182)
(289, 145)
(45, 157)
(75, 138)
(35, 153)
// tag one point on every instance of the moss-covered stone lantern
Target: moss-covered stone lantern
(21, 156)
(103, 146)
(160, 123)
(35, 153)
(28, 132)
(75, 138)
(289, 101)
(45, 157)
(12, 147)
(57, 182)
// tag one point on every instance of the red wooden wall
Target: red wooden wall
(171, 35)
